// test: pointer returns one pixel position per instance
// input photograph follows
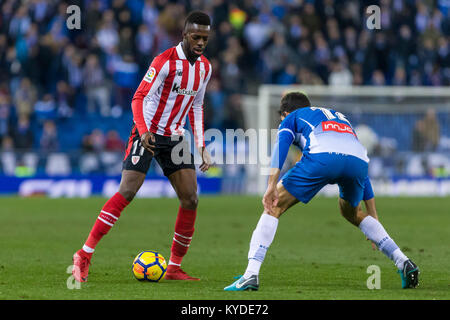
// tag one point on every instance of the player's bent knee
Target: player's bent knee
(130, 183)
(128, 193)
(189, 201)
(277, 212)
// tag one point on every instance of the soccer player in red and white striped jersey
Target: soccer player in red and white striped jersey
(173, 88)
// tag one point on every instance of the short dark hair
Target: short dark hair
(293, 101)
(198, 17)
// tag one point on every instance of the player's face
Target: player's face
(195, 39)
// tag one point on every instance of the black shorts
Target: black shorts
(137, 158)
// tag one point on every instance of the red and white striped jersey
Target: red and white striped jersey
(172, 89)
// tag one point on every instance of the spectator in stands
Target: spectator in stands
(220, 11)
(305, 56)
(404, 45)
(340, 75)
(20, 22)
(224, 32)
(215, 97)
(231, 73)
(432, 130)
(306, 77)
(427, 54)
(113, 142)
(350, 42)
(422, 17)
(234, 118)
(45, 108)
(277, 56)
(97, 90)
(25, 98)
(64, 100)
(49, 139)
(357, 74)
(7, 144)
(399, 77)
(334, 39)
(107, 35)
(288, 75)
(22, 134)
(426, 132)
(171, 19)
(5, 114)
(93, 17)
(86, 144)
(150, 13)
(97, 140)
(145, 43)
(125, 75)
(309, 17)
(75, 71)
(122, 14)
(378, 78)
(322, 55)
(418, 136)
(126, 45)
(380, 50)
(443, 51)
(295, 30)
(256, 34)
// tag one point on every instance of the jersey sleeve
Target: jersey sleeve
(152, 80)
(285, 138)
(196, 116)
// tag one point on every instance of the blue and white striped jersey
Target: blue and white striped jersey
(316, 130)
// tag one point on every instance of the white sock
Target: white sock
(399, 258)
(375, 232)
(171, 263)
(87, 249)
(262, 238)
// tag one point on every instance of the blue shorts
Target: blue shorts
(314, 171)
(368, 191)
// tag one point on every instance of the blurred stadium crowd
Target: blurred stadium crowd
(58, 85)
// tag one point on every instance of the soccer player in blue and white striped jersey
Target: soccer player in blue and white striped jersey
(332, 154)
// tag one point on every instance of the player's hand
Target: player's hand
(374, 246)
(270, 198)
(206, 159)
(148, 141)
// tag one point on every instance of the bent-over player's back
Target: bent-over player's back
(322, 130)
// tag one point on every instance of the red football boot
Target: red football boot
(176, 273)
(81, 262)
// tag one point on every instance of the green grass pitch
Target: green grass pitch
(316, 253)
